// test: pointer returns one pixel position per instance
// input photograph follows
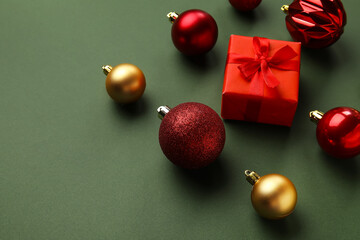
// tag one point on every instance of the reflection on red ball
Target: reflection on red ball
(192, 135)
(338, 132)
(194, 32)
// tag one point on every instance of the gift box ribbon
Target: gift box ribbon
(258, 70)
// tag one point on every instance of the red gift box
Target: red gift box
(261, 82)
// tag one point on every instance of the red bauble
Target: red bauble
(245, 5)
(192, 135)
(338, 132)
(194, 32)
(315, 23)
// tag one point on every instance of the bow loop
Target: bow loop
(284, 54)
(261, 47)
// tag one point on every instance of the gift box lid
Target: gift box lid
(234, 83)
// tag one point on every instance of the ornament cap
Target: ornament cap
(107, 69)
(162, 111)
(252, 177)
(316, 115)
(285, 9)
(172, 16)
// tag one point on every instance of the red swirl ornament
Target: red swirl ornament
(338, 131)
(315, 23)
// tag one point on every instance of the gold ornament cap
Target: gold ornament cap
(107, 69)
(172, 16)
(316, 116)
(252, 177)
(285, 9)
(162, 111)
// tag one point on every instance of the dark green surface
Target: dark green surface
(76, 166)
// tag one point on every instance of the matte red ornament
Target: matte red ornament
(191, 135)
(193, 32)
(315, 23)
(245, 5)
(338, 131)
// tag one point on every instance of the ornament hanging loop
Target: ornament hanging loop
(107, 69)
(172, 16)
(285, 9)
(252, 177)
(316, 115)
(162, 111)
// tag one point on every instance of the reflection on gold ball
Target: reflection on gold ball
(274, 196)
(125, 83)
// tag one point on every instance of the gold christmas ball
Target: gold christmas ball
(273, 196)
(125, 83)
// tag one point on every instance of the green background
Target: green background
(74, 165)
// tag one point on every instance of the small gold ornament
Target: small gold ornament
(273, 196)
(125, 83)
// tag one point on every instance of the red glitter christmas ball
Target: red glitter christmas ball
(194, 32)
(192, 135)
(315, 23)
(338, 132)
(245, 5)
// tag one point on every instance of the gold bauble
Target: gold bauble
(125, 83)
(273, 196)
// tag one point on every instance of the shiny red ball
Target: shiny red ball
(194, 32)
(245, 5)
(192, 135)
(316, 23)
(338, 132)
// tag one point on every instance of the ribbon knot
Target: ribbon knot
(259, 67)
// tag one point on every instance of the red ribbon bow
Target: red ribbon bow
(262, 63)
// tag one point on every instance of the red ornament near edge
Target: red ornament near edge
(191, 135)
(245, 5)
(315, 23)
(194, 32)
(338, 131)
